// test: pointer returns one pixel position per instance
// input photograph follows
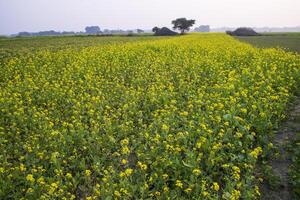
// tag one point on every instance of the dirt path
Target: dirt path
(281, 163)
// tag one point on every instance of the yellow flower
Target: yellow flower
(165, 127)
(117, 193)
(54, 185)
(128, 171)
(142, 166)
(122, 174)
(52, 189)
(125, 150)
(236, 176)
(256, 152)
(41, 180)
(197, 172)
(30, 178)
(270, 145)
(262, 114)
(236, 169)
(30, 190)
(97, 192)
(184, 113)
(188, 190)
(166, 189)
(205, 194)
(199, 144)
(257, 190)
(179, 184)
(69, 175)
(124, 142)
(244, 110)
(146, 186)
(104, 179)
(239, 134)
(22, 168)
(124, 161)
(165, 176)
(87, 172)
(124, 191)
(215, 186)
(235, 195)
(157, 193)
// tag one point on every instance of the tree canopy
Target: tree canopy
(183, 24)
(92, 29)
(155, 29)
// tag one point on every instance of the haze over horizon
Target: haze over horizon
(74, 15)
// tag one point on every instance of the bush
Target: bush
(164, 31)
(243, 32)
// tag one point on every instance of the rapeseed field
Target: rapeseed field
(186, 117)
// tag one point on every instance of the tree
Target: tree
(243, 31)
(155, 29)
(92, 29)
(183, 24)
(164, 31)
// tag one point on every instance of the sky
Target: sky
(75, 15)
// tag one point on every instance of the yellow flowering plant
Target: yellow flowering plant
(139, 118)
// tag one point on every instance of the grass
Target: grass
(286, 41)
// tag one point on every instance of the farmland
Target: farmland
(23, 45)
(287, 41)
(186, 117)
(53, 42)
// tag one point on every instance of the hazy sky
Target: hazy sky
(36, 15)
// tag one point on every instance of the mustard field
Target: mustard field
(187, 117)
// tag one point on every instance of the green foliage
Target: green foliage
(183, 24)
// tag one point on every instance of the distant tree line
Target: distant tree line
(45, 33)
(181, 24)
(89, 30)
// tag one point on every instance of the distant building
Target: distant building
(203, 28)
